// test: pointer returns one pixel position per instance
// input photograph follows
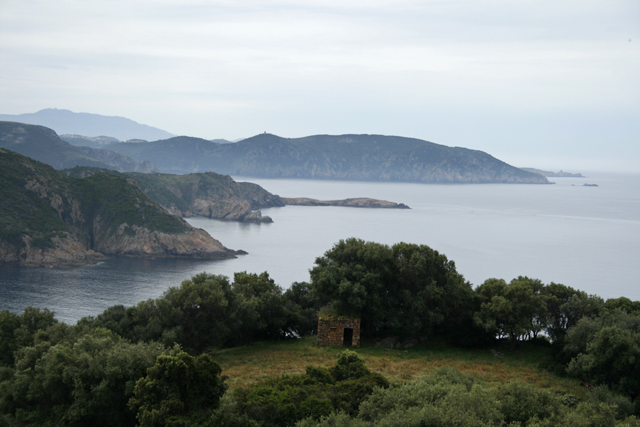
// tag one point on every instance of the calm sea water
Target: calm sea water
(584, 237)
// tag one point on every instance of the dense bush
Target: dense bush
(178, 390)
(282, 401)
(606, 350)
(448, 398)
(81, 381)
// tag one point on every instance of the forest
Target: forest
(158, 363)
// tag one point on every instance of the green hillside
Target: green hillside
(45, 210)
(204, 194)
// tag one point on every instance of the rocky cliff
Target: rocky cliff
(48, 218)
(141, 242)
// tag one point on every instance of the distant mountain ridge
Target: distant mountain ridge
(86, 124)
(342, 157)
(43, 144)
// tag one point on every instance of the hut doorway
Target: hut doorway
(348, 337)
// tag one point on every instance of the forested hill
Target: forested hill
(346, 157)
(43, 144)
(200, 194)
(48, 218)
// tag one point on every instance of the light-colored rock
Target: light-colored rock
(66, 250)
(137, 241)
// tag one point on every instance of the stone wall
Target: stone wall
(331, 331)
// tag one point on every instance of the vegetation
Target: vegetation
(116, 201)
(40, 203)
(450, 398)
(178, 390)
(184, 359)
(282, 401)
(183, 195)
(406, 289)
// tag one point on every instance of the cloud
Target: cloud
(295, 65)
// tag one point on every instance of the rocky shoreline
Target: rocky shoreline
(134, 242)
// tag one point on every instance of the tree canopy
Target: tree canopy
(406, 289)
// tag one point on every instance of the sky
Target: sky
(548, 84)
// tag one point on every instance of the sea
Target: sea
(586, 237)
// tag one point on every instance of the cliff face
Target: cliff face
(48, 218)
(64, 250)
(141, 242)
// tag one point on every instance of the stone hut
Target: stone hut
(340, 331)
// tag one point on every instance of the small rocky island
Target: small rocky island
(359, 202)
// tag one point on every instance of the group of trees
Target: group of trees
(405, 289)
(209, 310)
(412, 290)
(148, 364)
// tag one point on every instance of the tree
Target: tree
(513, 310)
(178, 389)
(9, 323)
(565, 307)
(606, 350)
(260, 308)
(405, 289)
(624, 304)
(207, 310)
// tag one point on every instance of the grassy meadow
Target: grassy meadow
(247, 364)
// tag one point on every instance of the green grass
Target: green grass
(245, 365)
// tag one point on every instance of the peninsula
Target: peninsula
(50, 219)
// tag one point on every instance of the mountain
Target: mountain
(43, 144)
(89, 141)
(201, 194)
(343, 157)
(68, 122)
(48, 218)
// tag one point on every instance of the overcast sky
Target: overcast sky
(551, 84)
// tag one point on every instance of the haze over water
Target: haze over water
(584, 237)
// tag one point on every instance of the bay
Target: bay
(584, 237)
